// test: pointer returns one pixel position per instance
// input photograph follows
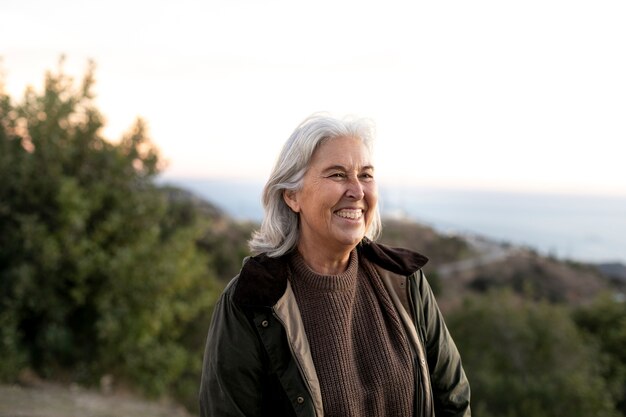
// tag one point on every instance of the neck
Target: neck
(325, 262)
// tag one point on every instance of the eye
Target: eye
(367, 176)
(337, 175)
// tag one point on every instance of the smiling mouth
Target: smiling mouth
(352, 214)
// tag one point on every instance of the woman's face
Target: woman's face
(338, 198)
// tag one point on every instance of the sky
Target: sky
(506, 95)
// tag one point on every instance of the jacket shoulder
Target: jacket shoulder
(261, 281)
(397, 260)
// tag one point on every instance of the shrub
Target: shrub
(524, 358)
(96, 276)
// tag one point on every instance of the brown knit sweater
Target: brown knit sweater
(359, 348)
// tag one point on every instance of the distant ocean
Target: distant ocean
(583, 228)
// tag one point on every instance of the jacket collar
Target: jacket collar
(263, 280)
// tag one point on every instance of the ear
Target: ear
(291, 200)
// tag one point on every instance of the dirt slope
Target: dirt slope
(58, 401)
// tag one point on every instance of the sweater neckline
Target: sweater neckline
(339, 282)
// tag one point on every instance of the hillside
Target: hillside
(458, 264)
(463, 264)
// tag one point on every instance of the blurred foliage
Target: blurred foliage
(525, 358)
(227, 243)
(100, 272)
(604, 323)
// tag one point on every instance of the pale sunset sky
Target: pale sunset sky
(512, 95)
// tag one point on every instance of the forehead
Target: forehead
(349, 152)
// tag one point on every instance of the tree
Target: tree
(95, 277)
(527, 359)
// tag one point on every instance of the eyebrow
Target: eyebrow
(343, 168)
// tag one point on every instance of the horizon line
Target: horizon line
(432, 185)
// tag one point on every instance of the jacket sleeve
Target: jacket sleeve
(451, 391)
(232, 373)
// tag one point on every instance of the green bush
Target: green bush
(99, 272)
(604, 323)
(527, 359)
(14, 358)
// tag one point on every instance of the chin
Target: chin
(351, 241)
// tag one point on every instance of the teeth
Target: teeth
(350, 214)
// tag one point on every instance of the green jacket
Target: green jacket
(257, 360)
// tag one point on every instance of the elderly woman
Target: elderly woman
(323, 321)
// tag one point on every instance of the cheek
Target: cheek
(371, 195)
(329, 196)
(320, 202)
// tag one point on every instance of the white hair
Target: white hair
(279, 232)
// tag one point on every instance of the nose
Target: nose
(355, 189)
